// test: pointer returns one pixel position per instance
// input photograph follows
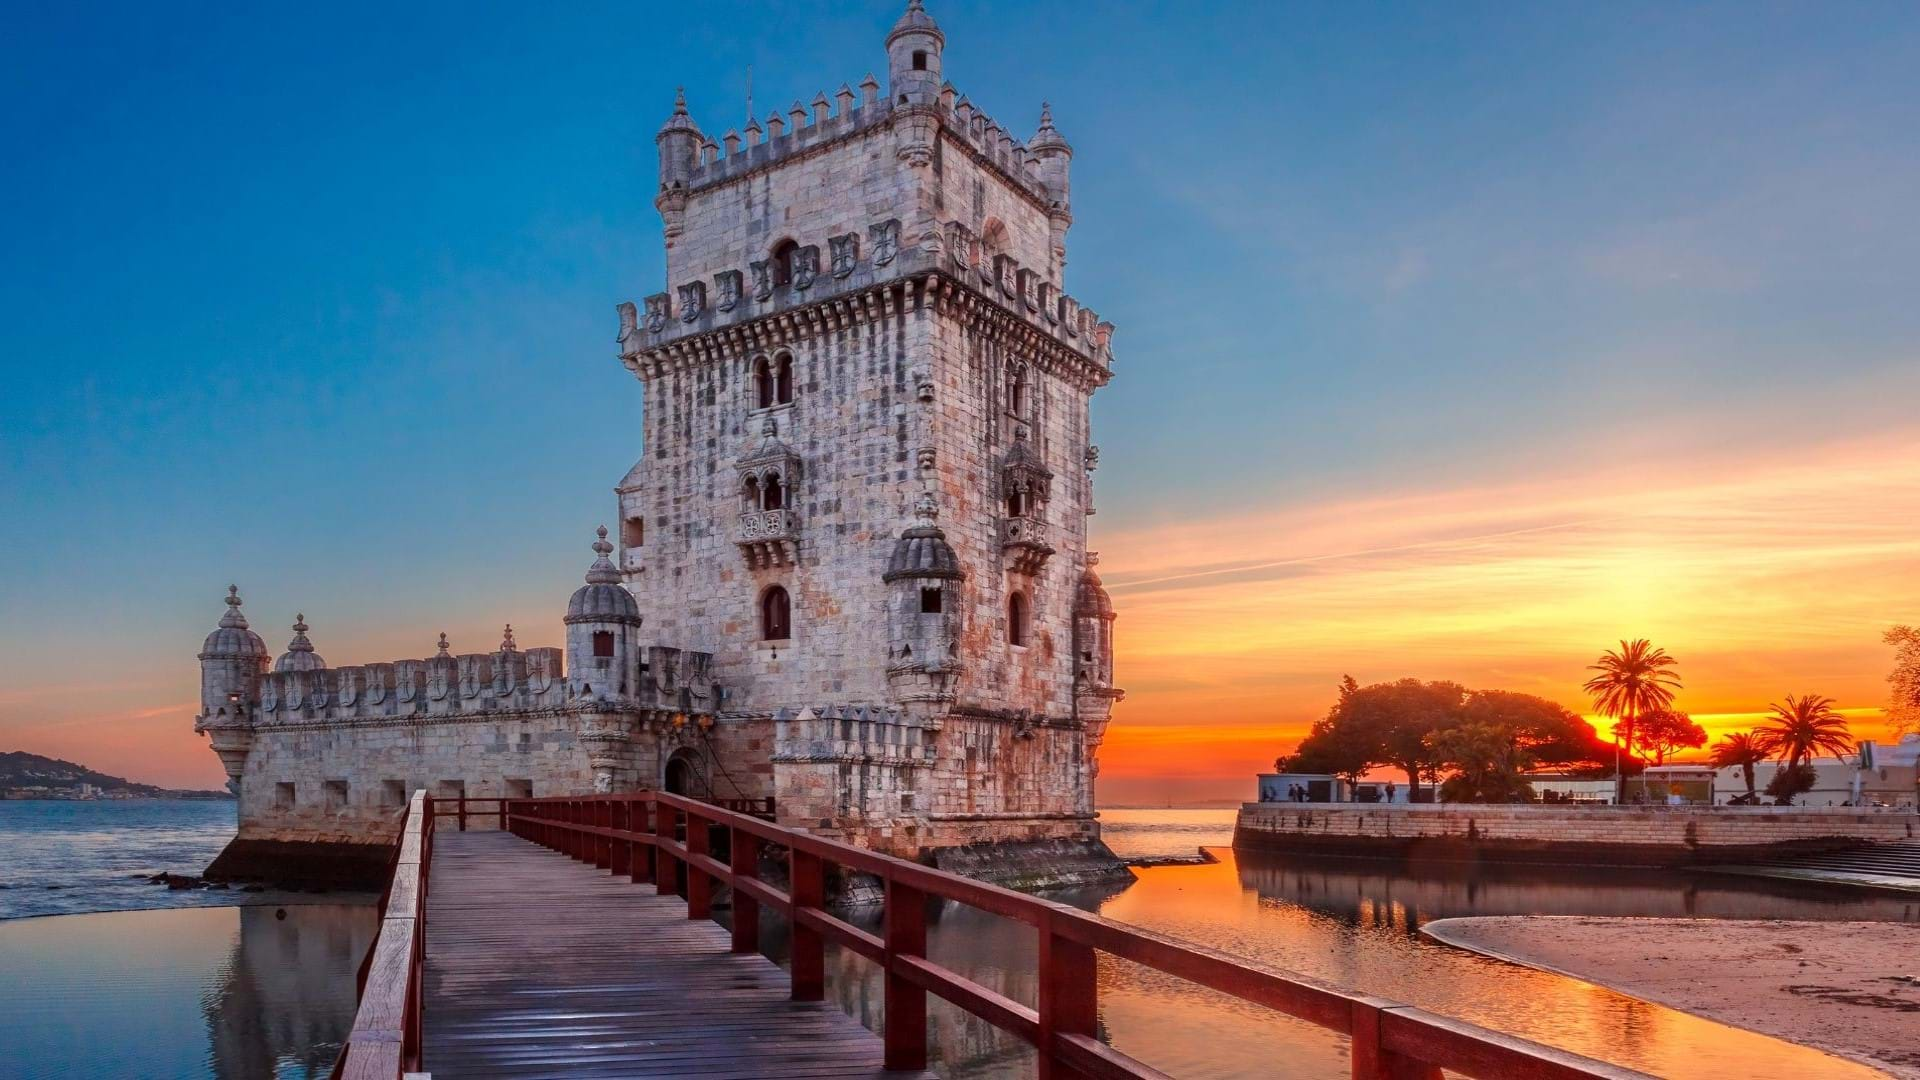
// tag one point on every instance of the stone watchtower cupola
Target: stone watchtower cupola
(603, 631)
(232, 659)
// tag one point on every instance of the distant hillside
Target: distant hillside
(21, 770)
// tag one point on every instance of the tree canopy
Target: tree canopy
(1664, 731)
(1486, 739)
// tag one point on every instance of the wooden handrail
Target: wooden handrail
(385, 1041)
(655, 837)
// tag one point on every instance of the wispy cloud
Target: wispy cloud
(1765, 577)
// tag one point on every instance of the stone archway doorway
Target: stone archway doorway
(684, 775)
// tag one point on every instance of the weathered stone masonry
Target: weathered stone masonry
(859, 518)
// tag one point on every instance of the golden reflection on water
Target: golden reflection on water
(1355, 924)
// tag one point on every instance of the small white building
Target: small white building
(1877, 775)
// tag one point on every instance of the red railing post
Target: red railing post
(603, 845)
(642, 852)
(500, 805)
(743, 859)
(809, 960)
(1069, 996)
(699, 883)
(462, 811)
(617, 818)
(663, 875)
(906, 1009)
(1372, 1061)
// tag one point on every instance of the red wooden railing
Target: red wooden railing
(652, 836)
(385, 1040)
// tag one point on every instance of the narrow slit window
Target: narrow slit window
(602, 643)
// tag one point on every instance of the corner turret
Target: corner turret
(232, 659)
(913, 81)
(1093, 689)
(679, 142)
(603, 630)
(924, 606)
(1050, 159)
(913, 57)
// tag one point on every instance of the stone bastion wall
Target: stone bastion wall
(1596, 835)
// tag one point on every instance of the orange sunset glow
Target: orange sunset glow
(1764, 578)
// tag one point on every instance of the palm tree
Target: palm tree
(1741, 748)
(1633, 682)
(1802, 729)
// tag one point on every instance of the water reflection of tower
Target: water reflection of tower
(285, 1001)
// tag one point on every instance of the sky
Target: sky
(1455, 341)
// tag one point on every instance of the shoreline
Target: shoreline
(1845, 988)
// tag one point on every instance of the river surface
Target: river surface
(267, 991)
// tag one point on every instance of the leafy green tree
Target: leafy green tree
(1790, 781)
(1664, 731)
(1803, 729)
(1500, 736)
(1632, 682)
(1381, 724)
(1741, 748)
(1488, 761)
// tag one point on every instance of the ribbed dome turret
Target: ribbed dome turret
(299, 655)
(1091, 597)
(1048, 137)
(916, 20)
(679, 121)
(922, 550)
(232, 640)
(602, 599)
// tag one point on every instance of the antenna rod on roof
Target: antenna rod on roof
(749, 93)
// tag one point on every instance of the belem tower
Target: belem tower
(850, 571)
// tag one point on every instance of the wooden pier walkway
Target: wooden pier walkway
(538, 965)
(556, 946)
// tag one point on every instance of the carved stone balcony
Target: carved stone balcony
(1024, 540)
(769, 537)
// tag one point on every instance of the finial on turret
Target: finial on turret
(300, 642)
(443, 653)
(680, 101)
(506, 643)
(602, 571)
(232, 617)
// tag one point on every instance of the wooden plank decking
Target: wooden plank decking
(540, 966)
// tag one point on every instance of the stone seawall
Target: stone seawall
(1594, 836)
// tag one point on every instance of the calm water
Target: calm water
(1356, 923)
(239, 992)
(57, 857)
(242, 992)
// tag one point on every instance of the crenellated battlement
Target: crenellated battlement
(468, 683)
(741, 153)
(856, 290)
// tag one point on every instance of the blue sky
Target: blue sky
(320, 299)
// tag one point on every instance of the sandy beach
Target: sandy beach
(1849, 988)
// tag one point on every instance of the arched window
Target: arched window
(782, 267)
(783, 379)
(930, 601)
(993, 242)
(602, 643)
(773, 494)
(776, 615)
(1015, 504)
(1017, 392)
(1017, 619)
(750, 492)
(762, 384)
(634, 532)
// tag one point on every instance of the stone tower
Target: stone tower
(866, 469)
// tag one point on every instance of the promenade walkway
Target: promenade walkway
(538, 965)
